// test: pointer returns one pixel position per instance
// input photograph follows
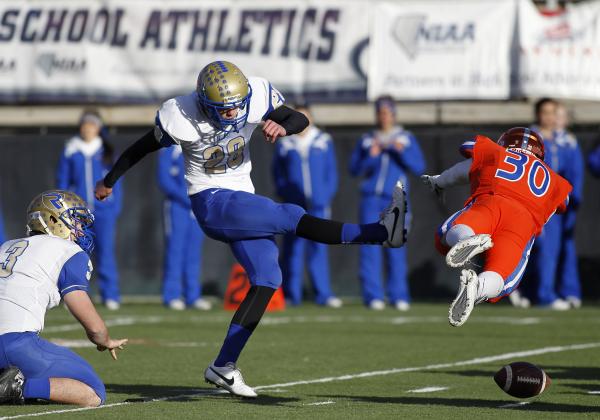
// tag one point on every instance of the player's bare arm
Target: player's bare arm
(134, 153)
(83, 310)
(283, 121)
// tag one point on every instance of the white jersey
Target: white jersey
(211, 160)
(35, 272)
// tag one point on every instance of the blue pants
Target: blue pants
(294, 249)
(39, 359)
(569, 285)
(370, 270)
(104, 228)
(546, 255)
(248, 223)
(183, 254)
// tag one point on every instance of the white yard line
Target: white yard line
(594, 392)
(129, 320)
(428, 389)
(322, 403)
(475, 361)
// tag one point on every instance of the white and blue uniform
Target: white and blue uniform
(380, 173)
(35, 272)
(183, 236)
(80, 166)
(217, 172)
(305, 173)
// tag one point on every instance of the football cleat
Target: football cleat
(518, 300)
(402, 305)
(462, 306)
(176, 305)
(461, 253)
(334, 302)
(11, 386)
(112, 305)
(393, 218)
(377, 305)
(229, 378)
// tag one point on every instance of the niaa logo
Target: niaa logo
(413, 33)
(50, 62)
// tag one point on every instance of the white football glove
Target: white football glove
(430, 181)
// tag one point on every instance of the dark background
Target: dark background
(28, 159)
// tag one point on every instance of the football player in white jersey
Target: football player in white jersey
(214, 125)
(51, 263)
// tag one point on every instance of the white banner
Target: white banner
(559, 55)
(442, 49)
(124, 50)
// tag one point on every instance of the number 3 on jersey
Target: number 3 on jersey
(14, 252)
(517, 162)
(217, 163)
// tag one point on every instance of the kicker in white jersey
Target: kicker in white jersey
(211, 159)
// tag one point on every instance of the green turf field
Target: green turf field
(313, 362)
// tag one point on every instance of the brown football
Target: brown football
(522, 380)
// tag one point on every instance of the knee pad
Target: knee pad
(491, 285)
(457, 233)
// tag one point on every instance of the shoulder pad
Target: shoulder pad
(265, 98)
(181, 118)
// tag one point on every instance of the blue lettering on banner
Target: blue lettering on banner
(308, 34)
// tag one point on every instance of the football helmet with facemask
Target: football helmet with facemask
(222, 86)
(523, 138)
(62, 214)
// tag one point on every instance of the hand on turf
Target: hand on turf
(112, 346)
(430, 181)
(102, 191)
(272, 131)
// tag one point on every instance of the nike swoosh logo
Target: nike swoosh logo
(396, 216)
(227, 381)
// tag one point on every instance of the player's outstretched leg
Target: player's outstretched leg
(462, 252)
(463, 304)
(390, 231)
(11, 386)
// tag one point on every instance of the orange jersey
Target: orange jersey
(516, 175)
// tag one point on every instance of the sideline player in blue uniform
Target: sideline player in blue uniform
(305, 173)
(51, 263)
(183, 236)
(569, 285)
(381, 158)
(545, 253)
(87, 157)
(214, 125)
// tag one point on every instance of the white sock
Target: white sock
(458, 233)
(490, 285)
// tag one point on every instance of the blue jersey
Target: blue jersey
(594, 161)
(572, 164)
(80, 167)
(171, 175)
(305, 169)
(381, 172)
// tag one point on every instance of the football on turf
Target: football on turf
(522, 380)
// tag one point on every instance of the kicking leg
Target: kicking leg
(228, 216)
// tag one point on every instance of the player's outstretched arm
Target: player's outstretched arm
(83, 310)
(131, 156)
(283, 121)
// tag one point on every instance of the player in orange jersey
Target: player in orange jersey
(513, 194)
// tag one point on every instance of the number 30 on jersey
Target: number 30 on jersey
(517, 163)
